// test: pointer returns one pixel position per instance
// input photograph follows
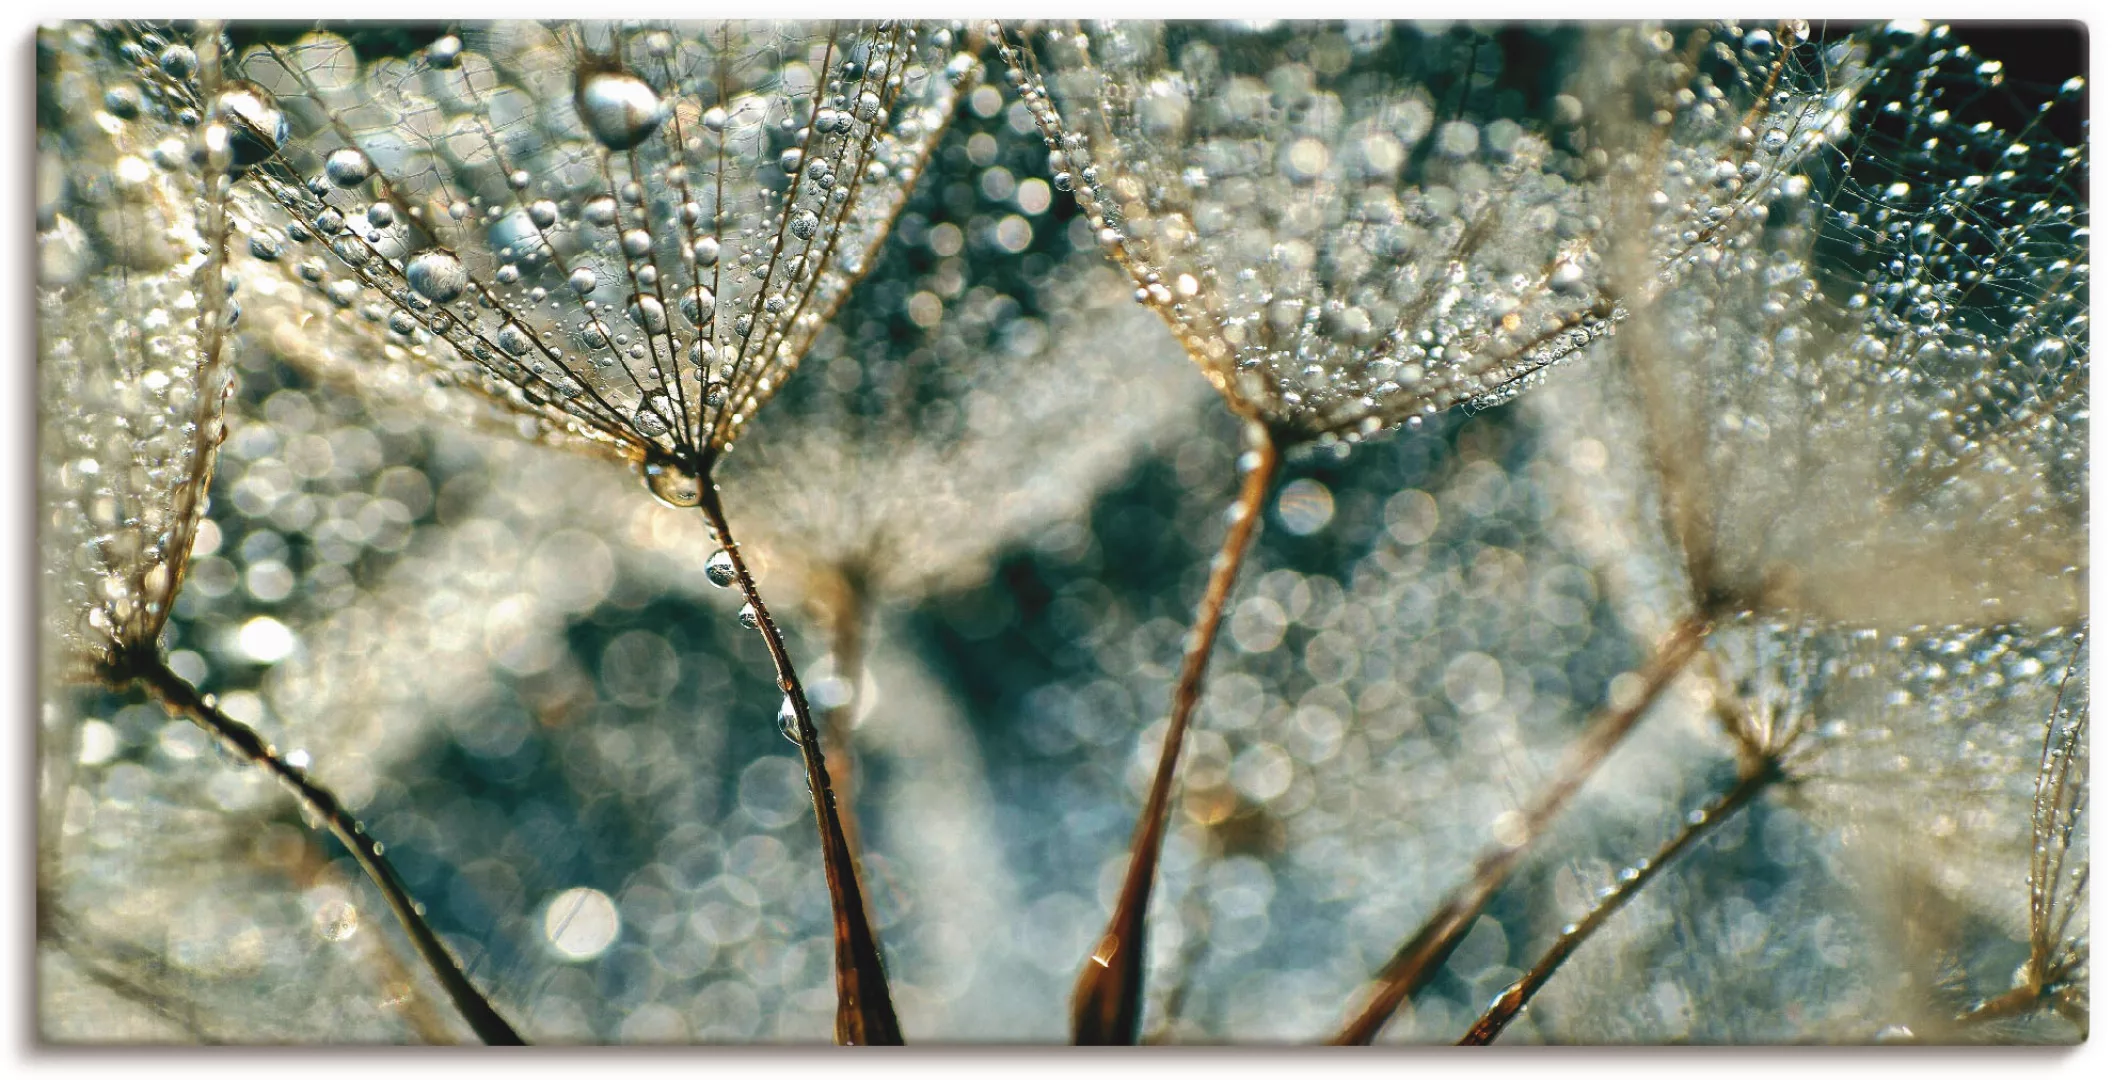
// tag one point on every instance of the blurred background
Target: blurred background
(508, 660)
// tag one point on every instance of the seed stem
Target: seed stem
(1107, 1003)
(865, 1015)
(150, 671)
(1515, 998)
(1419, 958)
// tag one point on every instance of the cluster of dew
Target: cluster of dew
(133, 385)
(1863, 430)
(1341, 251)
(1288, 877)
(630, 237)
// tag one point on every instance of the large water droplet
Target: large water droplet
(789, 721)
(672, 484)
(256, 125)
(621, 110)
(719, 569)
(347, 167)
(437, 275)
(646, 310)
(515, 339)
(747, 617)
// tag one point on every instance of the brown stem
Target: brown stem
(865, 1015)
(1107, 1003)
(1515, 998)
(843, 611)
(181, 698)
(1418, 959)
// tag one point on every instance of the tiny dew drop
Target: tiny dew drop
(719, 569)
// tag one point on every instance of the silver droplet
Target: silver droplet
(621, 110)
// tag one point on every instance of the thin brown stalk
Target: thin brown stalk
(1107, 1003)
(1419, 958)
(865, 1014)
(843, 607)
(151, 672)
(1514, 999)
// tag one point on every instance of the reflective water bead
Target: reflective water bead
(347, 167)
(620, 109)
(671, 484)
(444, 52)
(719, 569)
(437, 275)
(515, 339)
(747, 617)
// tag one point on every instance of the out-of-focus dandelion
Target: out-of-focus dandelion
(1341, 252)
(141, 398)
(1862, 417)
(626, 237)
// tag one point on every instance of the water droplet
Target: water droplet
(719, 569)
(789, 721)
(804, 223)
(122, 101)
(697, 305)
(515, 339)
(647, 311)
(747, 617)
(705, 250)
(651, 419)
(445, 52)
(621, 110)
(347, 167)
(437, 275)
(542, 213)
(256, 125)
(637, 242)
(582, 280)
(178, 61)
(672, 484)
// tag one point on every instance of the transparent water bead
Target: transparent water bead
(789, 721)
(437, 275)
(674, 486)
(747, 617)
(621, 110)
(256, 125)
(347, 168)
(719, 569)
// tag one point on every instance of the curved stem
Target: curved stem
(1107, 1003)
(1418, 959)
(181, 698)
(865, 1015)
(1515, 997)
